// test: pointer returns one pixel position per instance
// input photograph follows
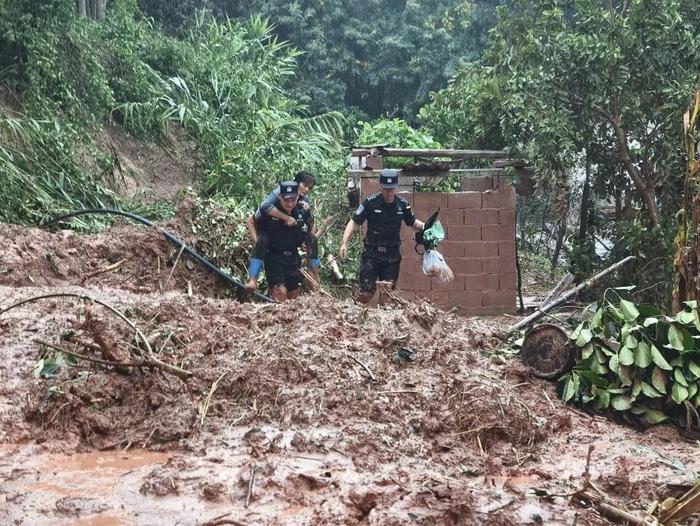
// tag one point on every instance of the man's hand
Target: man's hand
(343, 253)
(290, 221)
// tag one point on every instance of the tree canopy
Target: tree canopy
(375, 57)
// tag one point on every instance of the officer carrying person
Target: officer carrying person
(384, 212)
(281, 258)
(259, 237)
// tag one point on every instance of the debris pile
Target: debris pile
(313, 411)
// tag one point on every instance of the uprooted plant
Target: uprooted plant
(636, 361)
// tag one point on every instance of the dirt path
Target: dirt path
(313, 396)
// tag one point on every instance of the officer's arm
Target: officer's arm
(410, 219)
(268, 203)
(268, 207)
(357, 218)
(347, 234)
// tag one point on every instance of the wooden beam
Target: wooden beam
(453, 154)
(468, 172)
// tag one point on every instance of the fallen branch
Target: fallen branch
(541, 311)
(363, 365)
(251, 486)
(172, 270)
(613, 512)
(315, 285)
(565, 282)
(334, 267)
(221, 519)
(109, 268)
(212, 390)
(83, 357)
(148, 357)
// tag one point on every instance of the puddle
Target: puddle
(90, 474)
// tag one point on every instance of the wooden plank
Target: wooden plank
(467, 172)
(453, 154)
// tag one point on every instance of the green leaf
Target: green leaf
(601, 357)
(675, 338)
(631, 341)
(649, 391)
(629, 310)
(570, 387)
(685, 317)
(621, 402)
(650, 321)
(642, 355)
(692, 390)
(647, 311)
(678, 376)
(577, 331)
(659, 359)
(659, 379)
(625, 374)
(693, 304)
(652, 416)
(636, 387)
(626, 356)
(596, 322)
(614, 364)
(603, 399)
(584, 337)
(679, 393)
(694, 369)
(587, 351)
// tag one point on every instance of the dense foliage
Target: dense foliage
(223, 83)
(636, 361)
(375, 57)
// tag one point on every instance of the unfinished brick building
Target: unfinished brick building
(479, 224)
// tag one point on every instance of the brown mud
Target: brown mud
(300, 413)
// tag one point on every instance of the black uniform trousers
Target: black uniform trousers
(381, 263)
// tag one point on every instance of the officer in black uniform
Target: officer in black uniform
(384, 213)
(282, 261)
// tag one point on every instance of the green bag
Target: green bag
(434, 234)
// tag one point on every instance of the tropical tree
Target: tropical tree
(571, 74)
(380, 57)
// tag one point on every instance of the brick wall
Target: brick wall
(479, 246)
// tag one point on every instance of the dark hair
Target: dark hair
(307, 178)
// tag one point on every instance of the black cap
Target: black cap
(389, 178)
(289, 189)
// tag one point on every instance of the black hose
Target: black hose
(194, 255)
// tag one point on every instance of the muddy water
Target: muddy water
(87, 489)
(324, 485)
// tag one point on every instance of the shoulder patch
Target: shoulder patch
(360, 209)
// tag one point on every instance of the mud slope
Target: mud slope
(308, 412)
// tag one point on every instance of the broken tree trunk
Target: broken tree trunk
(541, 311)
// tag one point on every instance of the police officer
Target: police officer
(306, 181)
(282, 261)
(384, 212)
